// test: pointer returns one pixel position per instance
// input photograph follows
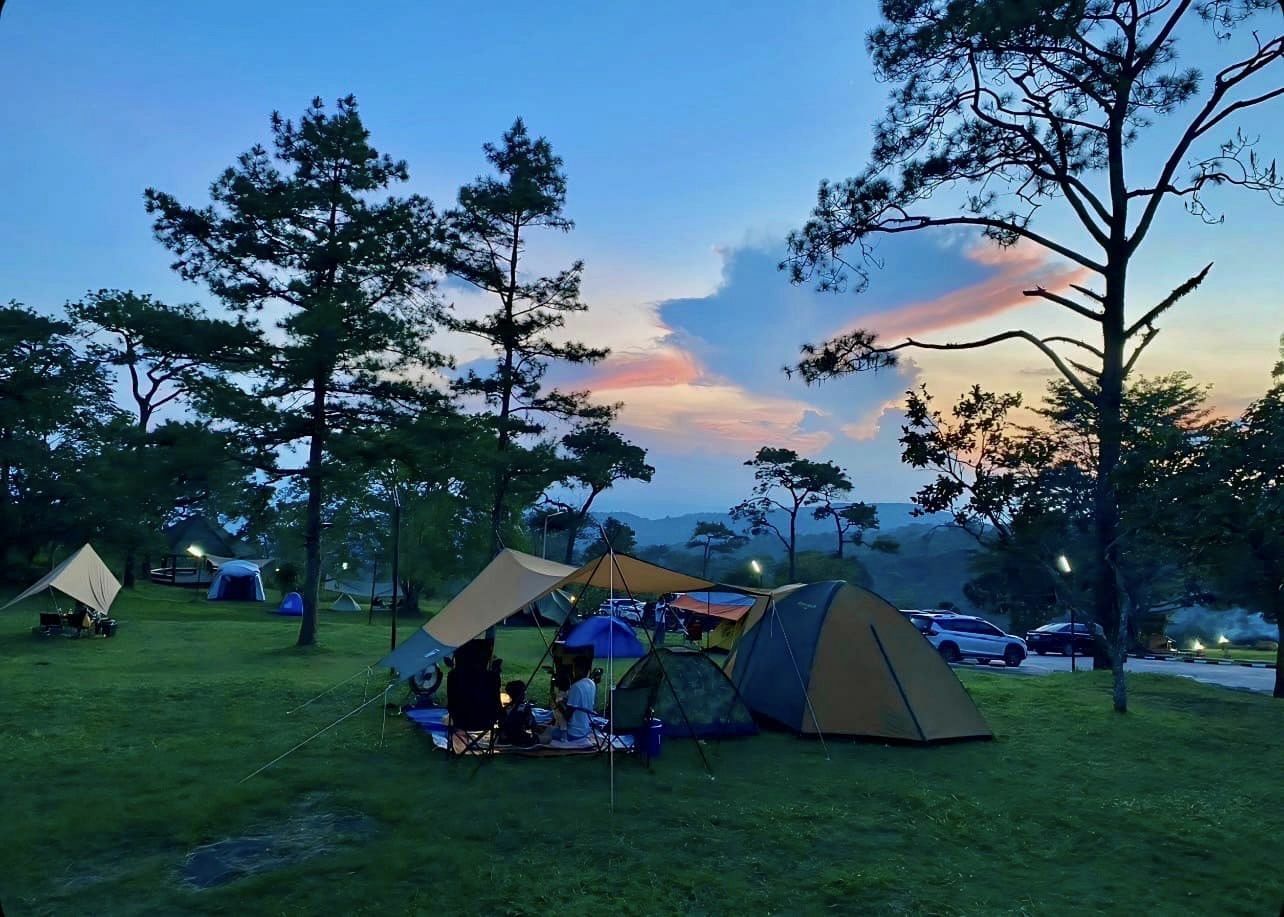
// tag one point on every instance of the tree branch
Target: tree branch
(1064, 301)
(1169, 301)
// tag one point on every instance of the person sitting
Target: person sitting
(517, 724)
(472, 691)
(571, 718)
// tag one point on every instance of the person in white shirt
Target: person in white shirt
(571, 718)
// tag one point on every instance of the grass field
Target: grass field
(1240, 654)
(120, 757)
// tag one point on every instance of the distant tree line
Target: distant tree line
(312, 397)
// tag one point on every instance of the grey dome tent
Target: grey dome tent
(237, 581)
(345, 602)
(689, 694)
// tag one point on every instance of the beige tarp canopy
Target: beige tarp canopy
(514, 580)
(84, 577)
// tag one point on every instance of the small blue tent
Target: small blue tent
(291, 605)
(608, 636)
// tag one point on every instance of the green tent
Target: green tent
(689, 694)
(345, 602)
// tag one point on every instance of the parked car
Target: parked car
(959, 637)
(1057, 638)
(625, 609)
(921, 619)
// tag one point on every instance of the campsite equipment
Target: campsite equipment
(553, 608)
(720, 615)
(689, 694)
(291, 605)
(834, 659)
(654, 738)
(609, 636)
(238, 581)
(82, 576)
(345, 602)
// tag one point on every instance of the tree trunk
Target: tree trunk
(1111, 612)
(130, 560)
(1279, 648)
(573, 534)
(312, 569)
(838, 524)
(793, 544)
(704, 570)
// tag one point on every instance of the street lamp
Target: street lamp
(757, 570)
(1063, 565)
(543, 550)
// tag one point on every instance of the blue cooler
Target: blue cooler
(653, 738)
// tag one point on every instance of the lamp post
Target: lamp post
(543, 550)
(1063, 565)
(757, 571)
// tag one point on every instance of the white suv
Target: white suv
(625, 609)
(959, 636)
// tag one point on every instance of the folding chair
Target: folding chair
(472, 704)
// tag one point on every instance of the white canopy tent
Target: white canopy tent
(82, 576)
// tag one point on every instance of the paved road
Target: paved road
(1229, 676)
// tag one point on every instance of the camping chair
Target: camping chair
(472, 703)
(50, 624)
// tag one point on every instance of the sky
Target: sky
(693, 137)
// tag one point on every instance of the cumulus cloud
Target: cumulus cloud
(708, 384)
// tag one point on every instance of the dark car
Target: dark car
(1057, 638)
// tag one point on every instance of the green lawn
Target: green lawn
(119, 757)
(1238, 653)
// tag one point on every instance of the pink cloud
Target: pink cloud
(1017, 269)
(716, 417)
(662, 366)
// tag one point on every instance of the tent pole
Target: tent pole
(895, 678)
(610, 683)
(674, 691)
(561, 627)
(374, 578)
(820, 733)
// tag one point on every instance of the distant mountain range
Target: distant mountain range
(931, 565)
(675, 530)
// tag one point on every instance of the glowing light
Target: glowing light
(1197, 646)
(195, 551)
(344, 565)
(755, 566)
(1063, 564)
(1223, 639)
(504, 698)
